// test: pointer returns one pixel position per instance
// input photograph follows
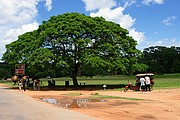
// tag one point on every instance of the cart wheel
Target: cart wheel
(125, 89)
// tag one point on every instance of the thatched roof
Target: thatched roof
(145, 74)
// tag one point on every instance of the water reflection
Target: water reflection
(50, 100)
(69, 103)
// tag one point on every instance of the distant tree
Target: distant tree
(176, 66)
(161, 59)
(75, 44)
(5, 71)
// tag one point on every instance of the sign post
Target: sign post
(20, 69)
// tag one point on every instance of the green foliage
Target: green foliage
(4, 73)
(74, 44)
(162, 59)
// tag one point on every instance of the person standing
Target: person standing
(24, 82)
(27, 81)
(20, 84)
(148, 82)
(151, 82)
(138, 83)
(143, 87)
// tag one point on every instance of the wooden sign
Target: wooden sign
(20, 69)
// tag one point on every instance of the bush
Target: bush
(4, 73)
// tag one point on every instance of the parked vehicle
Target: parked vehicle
(137, 85)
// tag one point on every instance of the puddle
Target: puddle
(69, 103)
(50, 100)
(89, 100)
(82, 100)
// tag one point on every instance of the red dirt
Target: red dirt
(156, 105)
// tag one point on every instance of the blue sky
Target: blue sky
(150, 22)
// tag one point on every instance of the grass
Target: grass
(9, 83)
(115, 97)
(74, 94)
(166, 81)
(96, 80)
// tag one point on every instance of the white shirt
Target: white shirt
(142, 80)
(147, 79)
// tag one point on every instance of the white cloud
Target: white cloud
(139, 36)
(16, 18)
(168, 42)
(49, 4)
(117, 15)
(92, 5)
(147, 2)
(129, 3)
(12, 33)
(168, 21)
(17, 11)
(125, 20)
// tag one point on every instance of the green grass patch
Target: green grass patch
(115, 97)
(166, 81)
(74, 94)
(6, 82)
(174, 75)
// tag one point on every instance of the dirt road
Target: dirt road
(17, 106)
(132, 105)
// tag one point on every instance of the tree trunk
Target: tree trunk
(74, 75)
(75, 83)
(76, 66)
(130, 68)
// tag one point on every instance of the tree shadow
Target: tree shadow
(83, 87)
(72, 88)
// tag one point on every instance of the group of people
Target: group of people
(146, 83)
(25, 82)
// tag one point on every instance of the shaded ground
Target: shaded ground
(131, 105)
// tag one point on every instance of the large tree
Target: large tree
(76, 44)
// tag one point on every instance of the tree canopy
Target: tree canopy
(74, 44)
(161, 59)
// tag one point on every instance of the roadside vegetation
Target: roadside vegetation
(166, 81)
